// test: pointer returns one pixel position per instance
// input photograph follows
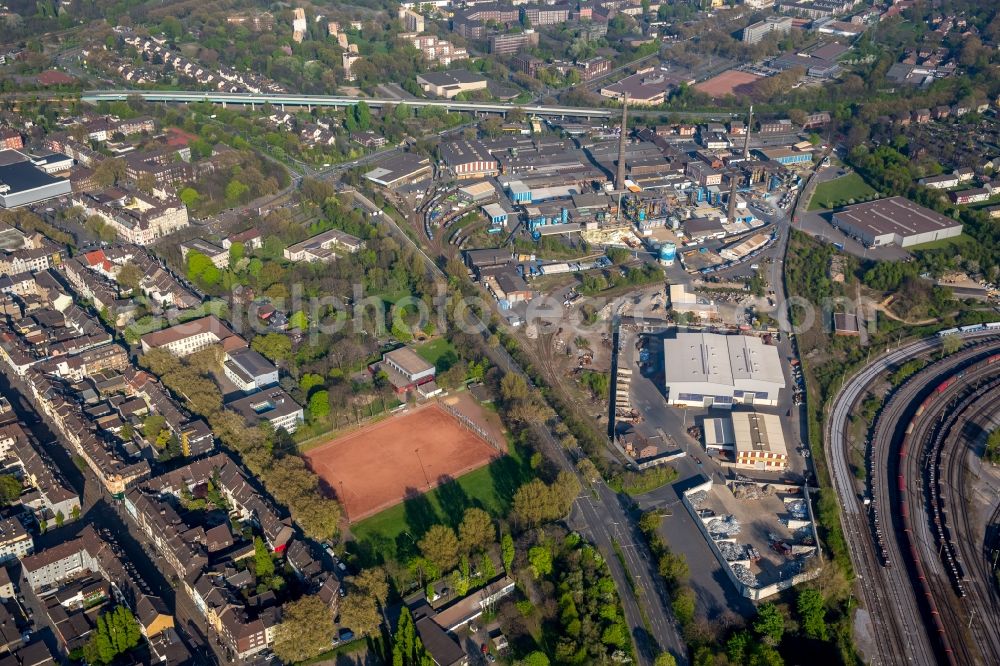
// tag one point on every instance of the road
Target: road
(882, 600)
(309, 101)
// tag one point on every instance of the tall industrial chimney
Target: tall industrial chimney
(620, 175)
(731, 213)
(746, 139)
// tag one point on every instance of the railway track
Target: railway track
(919, 555)
(898, 633)
(978, 415)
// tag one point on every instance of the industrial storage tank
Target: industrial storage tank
(668, 253)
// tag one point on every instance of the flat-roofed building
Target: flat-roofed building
(507, 43)
(647, 87)
(23, 183)
(757, 31)
(718, 434)
(759, 441)
(451, 83)
(711, 370)
(684, 301)
(248, 370)
(895, 221)
(272, 405)
(787, 156)
(400, 170)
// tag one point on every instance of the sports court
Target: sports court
(378, 466)
(730, 82)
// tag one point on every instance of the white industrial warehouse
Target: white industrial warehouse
(895, 220)
(712, 370)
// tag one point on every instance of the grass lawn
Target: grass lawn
(828, 194)
(957, 243)
(490, 488)
(436, 349)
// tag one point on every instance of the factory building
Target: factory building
(711, 370)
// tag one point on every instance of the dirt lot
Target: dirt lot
(729, 82)
(380, 465)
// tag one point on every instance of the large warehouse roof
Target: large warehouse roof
(720, 359)
(896, 216)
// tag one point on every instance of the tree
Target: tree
(96, 225)
(950, 344)
(201, 270)
(236, 252)
(319, 405)
(476, 531)
(738, 647)
(117, 632)
(306, 629)
(109, 172)
(299, 320)
(319, 517)
(440, 546)
(129, 276)
(992, 452)
(665, 659)
(540, 560)
(535, 502)
(189, 196)
(10, 489)
(152, 426)
(362, 116)
(60, 519)
(145, 182)
(408, 649)
(530, 502)
(236, 190)
(274, 346)
(811, 608)
(536, 658)
(513, 387)
(373, 583)
(770, 623)
(507, 552)
(310, 381)
(263, 564)
(684, 606)
(360, 613)
(765, 655)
